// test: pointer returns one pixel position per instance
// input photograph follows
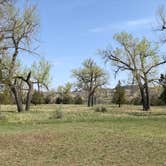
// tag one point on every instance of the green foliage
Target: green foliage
(78, 100)
(41, 73)
(67, 100)
(100, 108)
(90, 78)
(136, 101)
(139, 57)
(163, 83)
(37, 98)
(119, 95)
(64, 93)
(58, 100)
(163, 94)
(156, 101)
(5, 97)
(47, 100)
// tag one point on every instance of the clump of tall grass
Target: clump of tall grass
(2, 117)
(100, 108)
(58, 114)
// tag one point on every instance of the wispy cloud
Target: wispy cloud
(139, 22)
(128, 25)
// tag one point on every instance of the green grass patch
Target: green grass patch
(124, 136)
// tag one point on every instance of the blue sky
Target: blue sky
(72, 30)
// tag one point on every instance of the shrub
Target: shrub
(163, 95)
(47, 100)
(58, 100)
(58, 114)
(100, 109)
(37, 98)
(119, 95)
(78, 100)
(136, 101)
(5, 97)
(156, 101)
(67, 100)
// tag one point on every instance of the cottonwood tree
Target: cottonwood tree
(22, 77)
(27, 85)
(139, 57)
(41, 74)
(89, 78)
(119, 95)
(17, 31)
(30, 78)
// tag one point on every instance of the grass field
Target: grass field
(125, 136)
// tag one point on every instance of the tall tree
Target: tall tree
(139, 57)
(26, 78)
(89, 78)
(19, 27)
(38, 74)
(119, 95)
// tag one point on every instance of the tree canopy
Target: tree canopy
(89, 78)
(139, 57)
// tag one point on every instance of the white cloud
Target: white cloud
(131, 24)
(139, 22)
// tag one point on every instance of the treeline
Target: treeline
(63, 96)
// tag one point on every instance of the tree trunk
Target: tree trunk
(17, 97)
(143, 97)
(147, 97)
(38, 87)
(29, 96)
(89, 100)
(92, 100)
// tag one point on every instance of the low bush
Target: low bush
(64, 100)
(136, 101)
(5, 97)
(37, 98)
(156, 101)
(67, 100)
(78, 100)
(58, 100)
(100, 109)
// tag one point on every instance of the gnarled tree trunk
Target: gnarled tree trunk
(147, 96)
(29, 96)
(17, 97)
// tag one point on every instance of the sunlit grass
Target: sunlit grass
(121, 136)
